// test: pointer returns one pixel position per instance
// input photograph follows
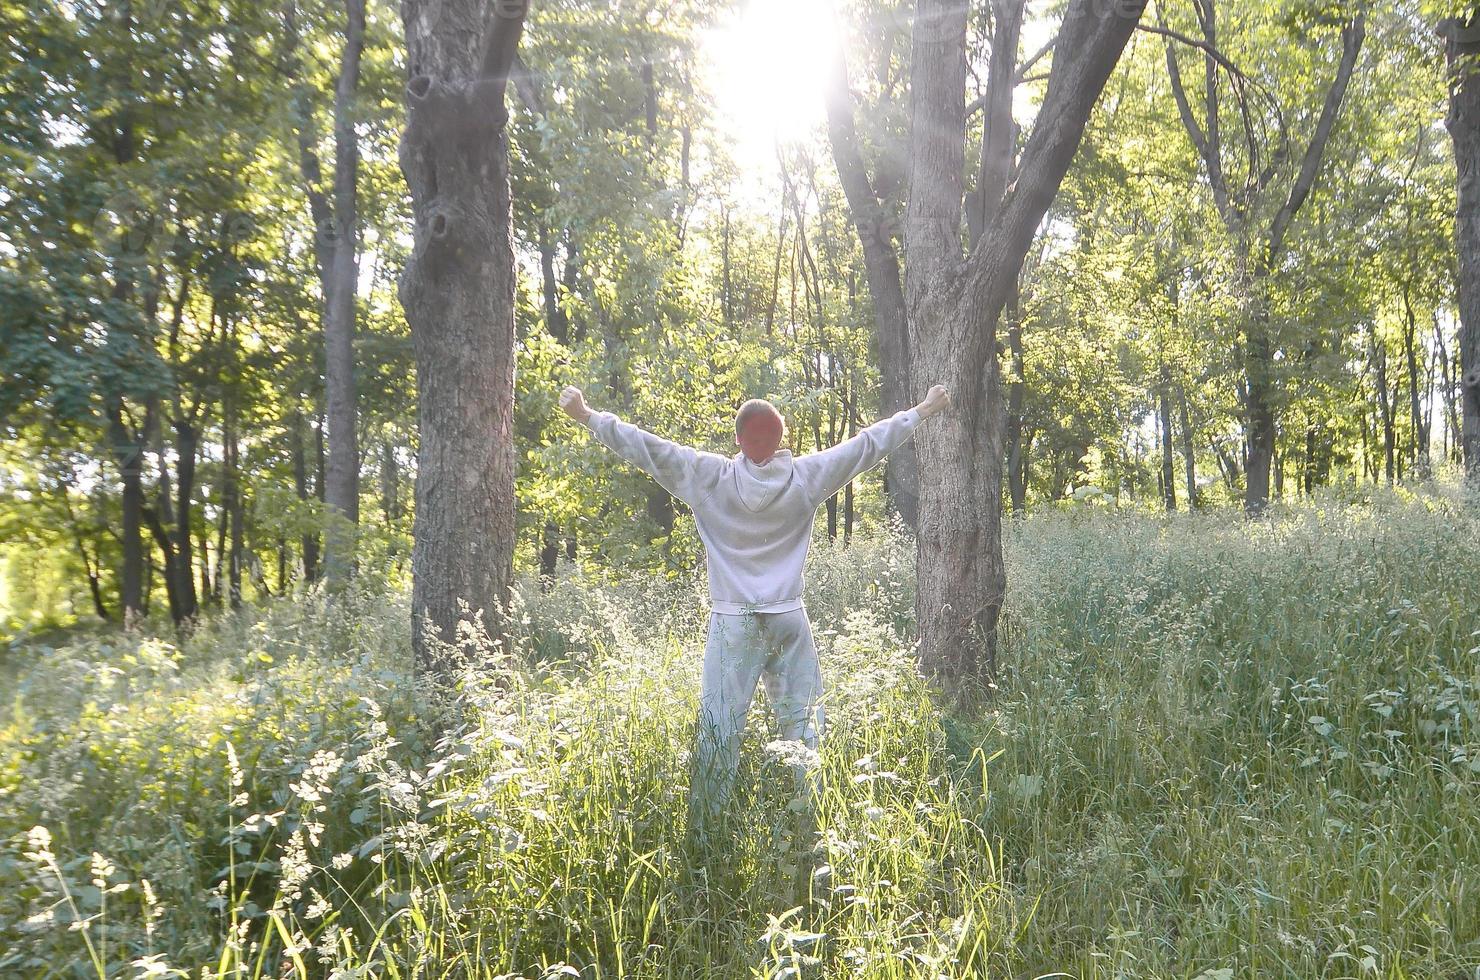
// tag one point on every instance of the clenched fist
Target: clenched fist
(937, 400)
(573, 403)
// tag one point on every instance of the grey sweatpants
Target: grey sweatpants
(742, 650)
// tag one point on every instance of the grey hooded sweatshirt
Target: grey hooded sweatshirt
(755, 521)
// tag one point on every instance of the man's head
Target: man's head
(759, 429)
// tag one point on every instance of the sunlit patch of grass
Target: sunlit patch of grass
(1219, 749)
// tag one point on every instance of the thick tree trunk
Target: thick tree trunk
(954, 303)
(458, 293)
(1462, 52)
(961, 579)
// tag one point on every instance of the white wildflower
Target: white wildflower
(319, 907)
(233, 766)
(38, 844)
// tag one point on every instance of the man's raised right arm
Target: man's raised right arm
(678, 469)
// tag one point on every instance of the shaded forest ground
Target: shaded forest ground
(1221, 749)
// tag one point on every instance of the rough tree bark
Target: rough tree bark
(954, 301)
(458, 294)
(1462, 55)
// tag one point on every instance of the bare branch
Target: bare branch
(1352, 35)
(1027, 66)
(999, 133)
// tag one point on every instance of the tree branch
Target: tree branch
(1352, 35)
(1088, 48)
(999, 134)
(501, 45)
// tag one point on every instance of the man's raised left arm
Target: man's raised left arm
(828, 471)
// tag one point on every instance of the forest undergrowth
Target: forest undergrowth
(1218, 749)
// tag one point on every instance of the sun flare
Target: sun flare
(768, 64)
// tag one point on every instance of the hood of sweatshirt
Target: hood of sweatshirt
(758, 486)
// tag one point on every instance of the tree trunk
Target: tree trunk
(233, 511)
(341, 479)
(390, 483)
(458, 294)
(1189, 455)
(128, 454)
(167, 553)
(223, 526)
(1017, 470)
(336, 254)
(203, 550)
(1451, 397)
(1168, 453)
(954, 302)
(1377, 356)
(549, 555)
(555, 319)
(1227, 465)
(1417, 425)
(128, 443)
(187, 441)
(93, 569)
(1259, 410)
(1462, 55)
(309, 545)
(162, 524)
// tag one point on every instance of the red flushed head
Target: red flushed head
(758, 430)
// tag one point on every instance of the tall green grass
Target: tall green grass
(1218, 749)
